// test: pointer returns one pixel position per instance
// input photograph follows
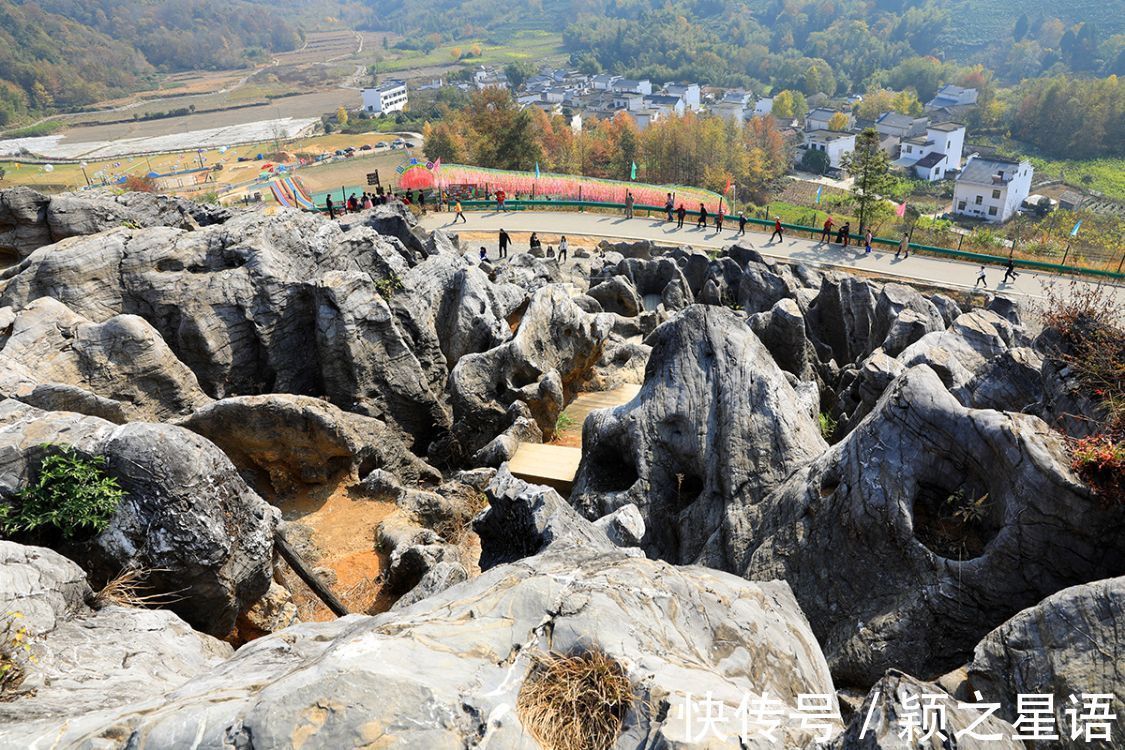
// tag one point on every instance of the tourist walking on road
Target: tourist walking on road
(741, 223)
(844, 236)
(681, 212)
(980, 279)
(777, 230)
(867, 242)
(668, 206)
(826, 234)
(903, 246)
(460, 214)
(702, 223)
(562, 249)
(504, 240)
(629, 205)
(719, 220)
(1009, 270)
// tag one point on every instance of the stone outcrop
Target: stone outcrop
(119, 370)
(84, 659)
(284, 442)
(186, 516)
(447, 671)
(553, 350)
(1067, 645)
(925, 527)
(30, 220)
(714, 429)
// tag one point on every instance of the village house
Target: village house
(628, 86)
(689, 93)
(389, 97)
(819, 118)
(901, 126)
(932, 155)
(952, 96)
(833, 143)
(992, 189)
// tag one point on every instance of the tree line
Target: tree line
(707, 151)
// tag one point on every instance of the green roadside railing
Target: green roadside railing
(968, 255)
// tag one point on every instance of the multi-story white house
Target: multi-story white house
(629, 86)
(688, 92)
(733, 111)
(666, 103)
(945, 140)
(901, 126)
(992, 189)
(390, 97)
(834, 143)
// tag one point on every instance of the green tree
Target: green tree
(815, 161)
(838, 121)
(342, 116)
(518, 72)
(1020, 30)
(870, 168)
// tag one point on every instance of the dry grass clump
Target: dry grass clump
(575, 702)
(127, 588)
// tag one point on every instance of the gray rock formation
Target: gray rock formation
(30, 220)
(782, 330)
(925, 527)
(714, 429)
(902, 713)
(234, 302)
(81, 659)
(617, 295)
(118, 370)
(187, 516)
(283, 442)
(1067, 645)
(552, 351)
(524, 519)
(447, 672)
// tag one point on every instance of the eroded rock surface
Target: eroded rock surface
(187, 516)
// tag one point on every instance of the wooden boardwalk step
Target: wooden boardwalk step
(552, 465)
(581, 407)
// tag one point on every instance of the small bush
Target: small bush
(1100, 461)
(137, 184)
(71, 494)
(827, 424)
(15, 652)
(575, 702)
(388, 285)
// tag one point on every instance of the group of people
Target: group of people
(534, 245)
(363, 201)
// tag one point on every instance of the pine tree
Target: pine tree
(870, 167)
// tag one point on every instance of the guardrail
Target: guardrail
(545, 204)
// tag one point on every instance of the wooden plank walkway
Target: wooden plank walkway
(556, 465)
(552, 465)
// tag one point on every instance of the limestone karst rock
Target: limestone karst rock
(714, 429)
(925, 527)
(1066, 645)
(448, 670)
(84, 659)
(286, 441)
(187, 515)
(118, 370)
(552, 351)
(30, 220)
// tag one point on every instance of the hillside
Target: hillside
(977, 24)
(61, 54)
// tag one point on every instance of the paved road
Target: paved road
(918, 268)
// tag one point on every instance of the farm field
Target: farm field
(1107, 176)
(534, 46)
(69, 176)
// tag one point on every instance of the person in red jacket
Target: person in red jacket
(777, 229)
(826, 235)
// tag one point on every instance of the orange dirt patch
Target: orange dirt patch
(344, 523)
